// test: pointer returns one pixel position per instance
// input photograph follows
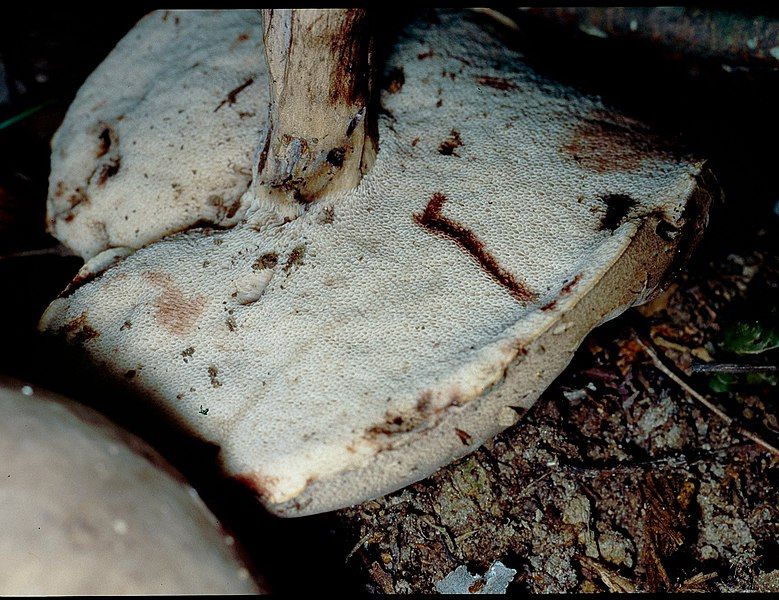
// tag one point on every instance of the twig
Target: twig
(700, 398)
(358, 545)
(613, 580)
(733, 368)
(535, 481)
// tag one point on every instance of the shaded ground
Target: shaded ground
(615, 479)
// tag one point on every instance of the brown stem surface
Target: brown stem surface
(322, 136)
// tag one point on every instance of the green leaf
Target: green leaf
(721, 382)
(761, 379)
(750, 338)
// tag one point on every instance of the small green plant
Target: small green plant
(750, 338)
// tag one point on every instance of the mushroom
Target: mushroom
(87, 508)
(162, 135)
(356, 331)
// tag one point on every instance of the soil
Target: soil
(615, 480)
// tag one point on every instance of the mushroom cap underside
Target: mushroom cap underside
(161, 136)
(383, 333)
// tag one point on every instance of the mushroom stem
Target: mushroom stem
(321, 134)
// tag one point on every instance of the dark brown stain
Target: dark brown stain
(79, 330)
(266, 261)
(263, 158)
(566, 289)
(104, 142)
(80, 280)
(295, 258)
(435, 222)
(231, 323)
(126, 325)
(395, 423)
(77, 282)
(233, 208)
(464, 436)
(174, 311)
(108, 170)
(395, 80)
(424, 55)
(59, 189)
(212, 375)
(607, 142)
(130, 374)
(499, 83)
(617, 208)
(349, 79)
(233, 94)
(78, 197)
(336, 156)
(423, 404)
(448, 146)
(259, 484)
(549, 306)
(223, 210)
(327, 217)
(187, 353)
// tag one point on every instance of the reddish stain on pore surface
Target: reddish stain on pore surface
(403, 422)
(79, 330)
(450, 144)
(174, 311)
(566, 289)
(499, 83)
(233, 94)
(433, 220)
(607, 142)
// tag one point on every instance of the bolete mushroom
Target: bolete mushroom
(356, 331)
(87, 508)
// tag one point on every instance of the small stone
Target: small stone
(709, 553)
(460, 581)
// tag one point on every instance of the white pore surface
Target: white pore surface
(84, 510)
(177, 159)
(367, 315)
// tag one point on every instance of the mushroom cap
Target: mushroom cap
(392, 329)
(87, 508)
(132, 162)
